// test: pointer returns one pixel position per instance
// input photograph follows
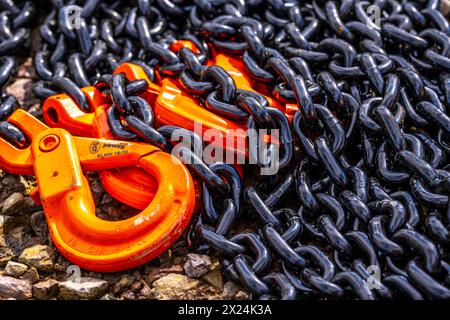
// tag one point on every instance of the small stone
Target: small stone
(197, 265)
(32, 276)
(13, 204)
(60, 267)
(6, 254)
(173, 286)
(9, 180)
(113, 277)
(39, 224)
(145, 292)
(30, 206)
(17, 234)
(26, 69)
(106, 199)
(113, 213)
(87, 288)
(445, 8)
(129, 295)
(241, 295)
(45, 290)
(96, 184)
(21, 89)
(123, 284)
(14, 288)
(3, 220)
(156, 273)
(13, 225)
(229, 290)
(15, 269)
(136, 274)
(136, 286)
(108, 297)
(38, 256)
(214, 276)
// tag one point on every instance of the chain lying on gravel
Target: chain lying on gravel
(366, 154)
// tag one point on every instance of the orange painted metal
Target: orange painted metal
(177, 45)
(173, 106)
(58, 161)
(236, 69)
(132, 186)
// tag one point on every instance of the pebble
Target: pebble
(45, 290)
(14, 288)
(3, 220)
(87, 288)
(32, 275)
(445, 7)
(26, 69)
(10, 180)
(229, 290)
(17, 234)
(136, 286)
(6, 254)
(129, 295)
(241, 295)
(173, 286)
(197, 265)
(145, 292)
(13, 204)
(108, 297)
(214, 276)
(9, 223)
(156, 273)
(39, 224)
(21, 89)
(15, 269)
(123, 284)
(39, 257)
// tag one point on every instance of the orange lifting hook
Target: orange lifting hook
(131, 186)
(58, 160)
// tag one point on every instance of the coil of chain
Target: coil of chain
(366, 154)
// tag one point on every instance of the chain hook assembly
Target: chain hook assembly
(58, 161)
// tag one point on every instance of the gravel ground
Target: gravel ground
(32, 268)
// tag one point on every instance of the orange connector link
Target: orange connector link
(234, 66)
(173, 106)
(58, 161)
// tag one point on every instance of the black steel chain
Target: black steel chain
(366, 155)
(15, 23)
